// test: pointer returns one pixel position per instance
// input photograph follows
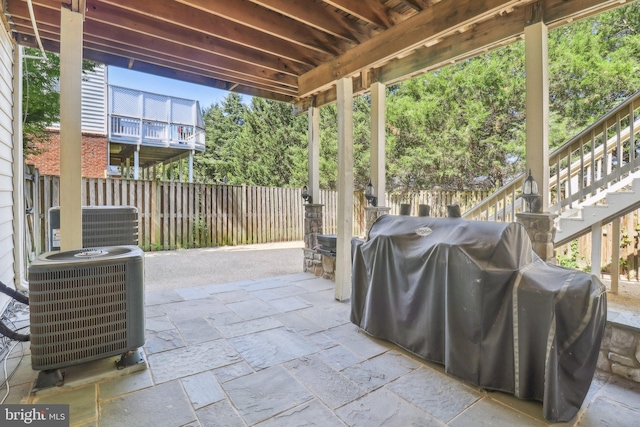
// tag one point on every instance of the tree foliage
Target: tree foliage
(459, 127)
(259, 144)
(41, 95)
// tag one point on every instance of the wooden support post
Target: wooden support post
(537, 104)
(313, 184)
(71, 24)
(191, 166)
(345, 188)
(136, 163)
(596, 249)
(615, 255)
(378, 170)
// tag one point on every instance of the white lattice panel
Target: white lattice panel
(155, 107)
(124, 102)
(182, 111)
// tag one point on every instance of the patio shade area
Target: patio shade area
(281, 351)
(292, 51)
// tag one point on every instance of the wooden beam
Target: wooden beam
(561, 12)
(488, 35)
(122, 20)
(173, 14)
(184, 76)
(372, 11)
(178, 56)
(441, 19)
(417, 5)
(318, 16)
(275, 24)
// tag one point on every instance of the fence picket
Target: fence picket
(177, 214)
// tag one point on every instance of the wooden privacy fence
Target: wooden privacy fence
(176, 215)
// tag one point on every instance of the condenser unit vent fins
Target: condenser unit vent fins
(85, 307)
(101, 226)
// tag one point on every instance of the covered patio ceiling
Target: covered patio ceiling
(292, 50)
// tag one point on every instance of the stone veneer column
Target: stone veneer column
(312, 227)
(542, 231)
(372, 213)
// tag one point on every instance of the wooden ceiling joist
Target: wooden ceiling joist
(292, 50)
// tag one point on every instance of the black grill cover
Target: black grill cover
(473, 295)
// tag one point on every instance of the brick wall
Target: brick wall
(94, 155)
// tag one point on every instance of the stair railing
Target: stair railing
(602, 154)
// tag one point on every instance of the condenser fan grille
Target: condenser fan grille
(78, 313)
(109, 228)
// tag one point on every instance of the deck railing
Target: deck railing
(137, 117)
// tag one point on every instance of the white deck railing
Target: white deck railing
(143, 118)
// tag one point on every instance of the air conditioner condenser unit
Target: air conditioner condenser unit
(85, 305)
(101, 226)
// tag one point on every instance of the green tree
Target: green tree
(458, 127)
(41, 95)
(361, 143)
(260, 144)
(223, 127)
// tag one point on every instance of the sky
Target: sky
(149, 83)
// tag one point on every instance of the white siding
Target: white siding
(94, 102)
(6, 174)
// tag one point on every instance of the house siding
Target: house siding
(6, 163)
(94, 102)
(95, 156)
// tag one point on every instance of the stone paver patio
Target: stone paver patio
(282, 352)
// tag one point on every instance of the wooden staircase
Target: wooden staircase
(612, 203)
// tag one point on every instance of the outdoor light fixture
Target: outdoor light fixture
(530, 191)
(306, 196)
(368, 194)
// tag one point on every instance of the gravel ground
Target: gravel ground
(196, 267)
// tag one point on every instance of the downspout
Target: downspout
(19, 259)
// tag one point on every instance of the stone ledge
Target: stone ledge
(620, 349)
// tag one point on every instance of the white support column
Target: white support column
(537, 107)
(378, 170)
(191, 166)
(313, 184)
(136, 163)
(71, 24)
(615, 255)
(596, 249)
(345, 188)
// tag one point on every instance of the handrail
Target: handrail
(594, 151)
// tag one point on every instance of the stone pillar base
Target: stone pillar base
(312, 224)
(312, 261)
(542, 231)
(372, 213)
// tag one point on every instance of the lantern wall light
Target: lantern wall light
(306, 196)
(369, 194)
(530, 192)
